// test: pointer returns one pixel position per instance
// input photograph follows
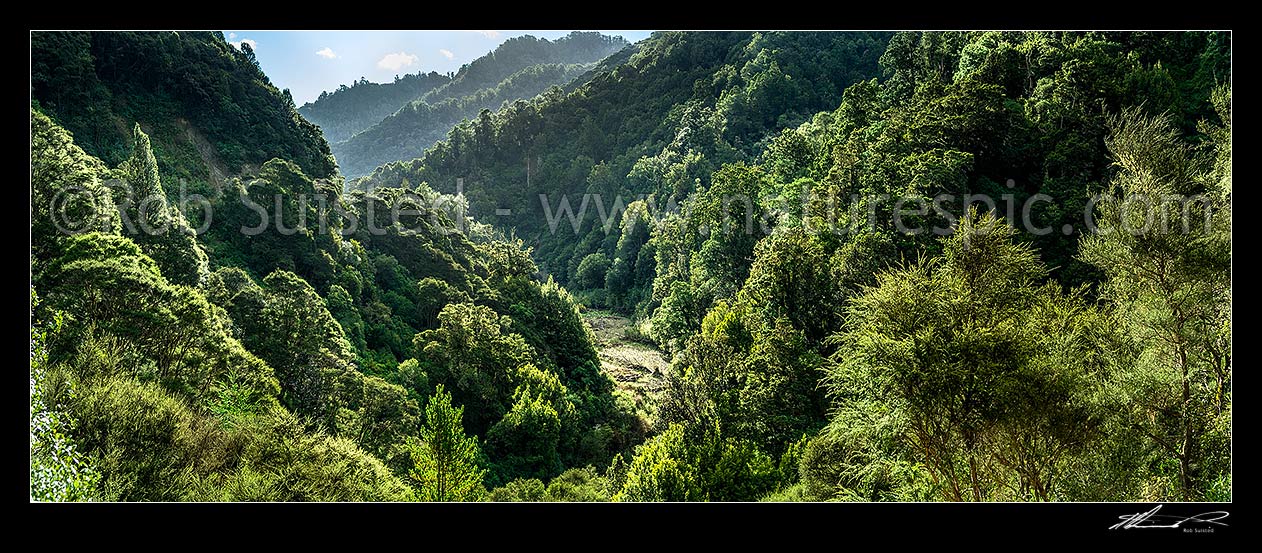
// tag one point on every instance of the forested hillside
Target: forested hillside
(417, 126)
(325, 364)
(660, 123)
(351, 109)
(209, 108)
(370, 124)
(804, 231)
(971, 366)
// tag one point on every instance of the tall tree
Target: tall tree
(159, 229)
(147, 206)
(472, 352)
(446, 460)
(1165, 244)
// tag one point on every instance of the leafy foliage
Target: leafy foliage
(1165, 245)
(66, 189)
(59, 470)
(446, 459)
(958, 347)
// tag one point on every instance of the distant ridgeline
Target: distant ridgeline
(371, 124)
(348, 110)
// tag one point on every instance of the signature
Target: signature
(1151, 519)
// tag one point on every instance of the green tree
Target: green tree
(147, 207)
(66, 189)
(781, 399)
(630, 272)
(377, 414)
(697, 463)
(521, 490)
(790, 278)
(962, 347)
(734, 219)
(287, 324)
(1165, 243)
(160, 229)
(527, 439)
(474, 355)
(591, 272)
(660, 472)
(106, 285)
(446, 460)
(578, 485)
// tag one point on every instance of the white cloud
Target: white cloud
(232, 36)
(446, 53)
(489, 34)
(250, 41)
(326, 53)
(396, 61)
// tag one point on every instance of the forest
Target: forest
(706, 266)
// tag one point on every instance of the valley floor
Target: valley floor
(637, 369)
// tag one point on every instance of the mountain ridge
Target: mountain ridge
(368, 124)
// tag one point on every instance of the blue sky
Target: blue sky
(308, 62)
